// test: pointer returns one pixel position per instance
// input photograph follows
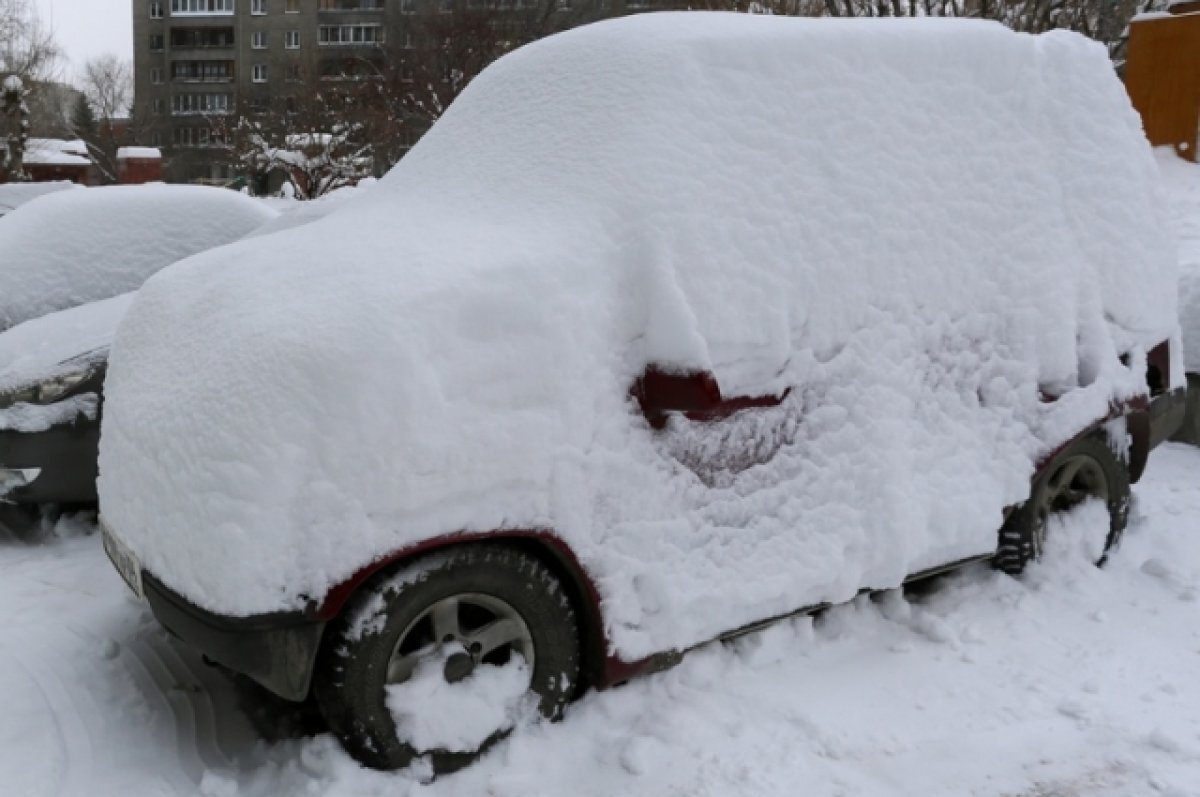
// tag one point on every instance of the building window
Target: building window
(156, 107)
(291, 40)
(351, 34)
(291, 7)
(258, 7)
(564, 5)
(200, 7)
(258, 40)
(156, 10)
(293, 72)
(408, 7)
(156, 75)
(259, 73)
(157, 42)
(156, 139)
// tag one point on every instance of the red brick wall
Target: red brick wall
(135, 171)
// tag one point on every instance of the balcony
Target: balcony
(205, 39)
(344, 6)
(202, 8)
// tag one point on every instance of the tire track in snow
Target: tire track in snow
(74, 737)
(173, 690)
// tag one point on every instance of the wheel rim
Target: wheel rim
(1072, 482)
(464, 630)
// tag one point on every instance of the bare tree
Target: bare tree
(107, 84)
(27, 47)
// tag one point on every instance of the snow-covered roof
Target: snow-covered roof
(57, 152)
(915, 225)
(143, 153)
(71, 247)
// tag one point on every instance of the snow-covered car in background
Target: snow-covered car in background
(671, 326)
(65, 260)
(13, 195)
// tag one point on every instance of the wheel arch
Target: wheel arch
(597, 665)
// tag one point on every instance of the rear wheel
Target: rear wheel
(440, 658)
(1087, 468)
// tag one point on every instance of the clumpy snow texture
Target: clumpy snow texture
(919, 227)
(72, 247)
(432, 714)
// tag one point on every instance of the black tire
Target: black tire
(351, 674)
(1022, 536)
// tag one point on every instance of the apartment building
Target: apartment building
(198, 61)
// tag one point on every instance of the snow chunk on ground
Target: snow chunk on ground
(431, 714)
(755, 195)
(71, 247)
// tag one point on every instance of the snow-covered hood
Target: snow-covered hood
(46, 346)
(915, 225)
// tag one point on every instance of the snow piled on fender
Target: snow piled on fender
(915, 225)
(71, 247)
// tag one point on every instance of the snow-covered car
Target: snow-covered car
(671, 326)
(84, 250)
(13, 195)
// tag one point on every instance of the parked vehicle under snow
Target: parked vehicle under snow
(672, 324)
(67, 262)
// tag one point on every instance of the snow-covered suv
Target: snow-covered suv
(671, 325)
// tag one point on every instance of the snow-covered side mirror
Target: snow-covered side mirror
(658, 392)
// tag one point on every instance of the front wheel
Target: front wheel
(1087, 469)
(441, 658)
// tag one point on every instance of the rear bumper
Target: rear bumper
(276, 650)
(63, 457)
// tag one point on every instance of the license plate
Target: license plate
(124, 560)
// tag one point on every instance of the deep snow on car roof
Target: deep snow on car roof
(71, 247)
(915, 224)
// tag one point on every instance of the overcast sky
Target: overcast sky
(87, 28)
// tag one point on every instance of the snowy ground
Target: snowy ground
(1068, 681)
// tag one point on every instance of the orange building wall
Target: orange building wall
(1162, 76)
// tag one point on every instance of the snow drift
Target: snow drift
(70, 247)
(915, 225)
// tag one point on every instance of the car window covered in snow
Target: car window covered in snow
(919, 227)
(71, 247)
